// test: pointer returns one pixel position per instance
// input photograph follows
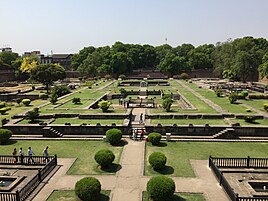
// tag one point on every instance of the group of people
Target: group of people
(135, 134)
(30, 155)
(124, 102)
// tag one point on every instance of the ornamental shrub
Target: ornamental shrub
(244, 94)
(76, 100)
(108, 77)
(232, 97)
(26, 102)
(160, 188)
(60, 90)
(32, 115)
(2, 104)
(258, 96)
(154, 138)
(42, 95)
(122, 77)
(265, 106)
(157, 160)
(184, 76)
(88, 189)
(104, 158)
(5, 134)
(4, 110)
(114, 136)
(19, 100)
(123, 92)
(104, 105)
(249, 119)
(167, 103)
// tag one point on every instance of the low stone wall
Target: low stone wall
(74, 129)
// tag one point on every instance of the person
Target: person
(142, 134)
(21, 155)
(30, 154)
(134, 134)
(45, 154)
(141, 118)
(14, 153)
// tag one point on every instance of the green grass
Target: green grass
(256, 103)
(179, 154)
(83, 104)
(84, 151)
(69, 195)
(37, 121)
(87, 121)
(189, 121)
(258, 122)
(179, 197)
(221, 101)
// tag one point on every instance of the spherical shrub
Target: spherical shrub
(154, 138)
(4, 110)
(5, 134)
(250, 119)
(43, 96)
(2, 104)
(157, 160)
(114, 136)
(88, 189)
(104, 158)
(160, 188)
(26, 102)
(265, 106)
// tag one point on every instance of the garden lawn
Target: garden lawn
(179, 154)
(221, 101)
(84, 151)
(87, 121)
(200, 105)
(69, 195)
(258, 122)
(256, 103)
(83, 104)
(179, 197)
(188, 121)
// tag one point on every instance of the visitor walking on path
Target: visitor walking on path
(141, 118)
(45, 154)
(14, 153)
(142, 134)
(30, 154)
(134, 134)
(21, 155)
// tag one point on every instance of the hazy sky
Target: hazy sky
(66, 26)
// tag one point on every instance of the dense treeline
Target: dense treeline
(241, 57)
(236, 59)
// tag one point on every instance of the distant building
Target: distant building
(62, 59)
(6, 49)
(32, 53)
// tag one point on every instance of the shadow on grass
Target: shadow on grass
(161, 144)
(121, 143)
(167, 170)
(254, 122)
(173, 198)
(9, 142)
(104, 197)
(35, 121)
(113, 168)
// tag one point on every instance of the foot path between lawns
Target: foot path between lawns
(129, 182)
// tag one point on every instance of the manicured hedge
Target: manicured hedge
(26, 102)
(88, 189)
(104, 158)
(157, 160)
(5, 134)
(160, 188)
(114, 136)
(154, 138)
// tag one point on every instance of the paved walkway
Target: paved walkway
(209, 102)
(129, 182)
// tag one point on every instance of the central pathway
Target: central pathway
(129, 182)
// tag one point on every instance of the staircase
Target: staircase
(51, 132)
(226, 133)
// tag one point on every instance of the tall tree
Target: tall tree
(48, 73)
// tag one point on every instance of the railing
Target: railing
(248, 162)
(23, 193)
(8, 196)
(241, 162)
(10, 160)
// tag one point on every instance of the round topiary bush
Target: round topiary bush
(2, 104)
(5, 134)
(42, 96)
(4, 110)
(114, 136)
(160, 188)
(154, 138)
(157, 160)
(88, 189)
(104, 158)
(26, 102)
